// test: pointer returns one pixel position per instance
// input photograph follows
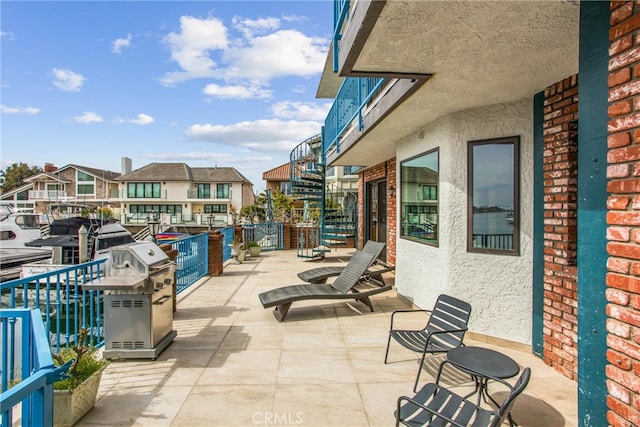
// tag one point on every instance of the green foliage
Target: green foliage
(104, 213)
(253, 244)
(250, 211)
(13, 176)
(85, 363)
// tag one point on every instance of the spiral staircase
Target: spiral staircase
(330, 216)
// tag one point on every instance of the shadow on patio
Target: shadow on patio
(232, 363)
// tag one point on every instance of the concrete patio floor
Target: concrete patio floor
(233, 364)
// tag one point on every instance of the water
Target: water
(491, 223)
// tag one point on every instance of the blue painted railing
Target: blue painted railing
(268, 235)
(353, 96)
(192, 260)
(28, 372)
(66, 307)
(227, 240)
(340, 14)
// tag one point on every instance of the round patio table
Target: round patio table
(483, 364)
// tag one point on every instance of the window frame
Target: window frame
(414, 208)
(87, 181)
(516, 171)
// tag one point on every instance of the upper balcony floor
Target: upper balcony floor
(436, 58)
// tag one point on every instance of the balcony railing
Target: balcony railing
(340, 14)
(194, 194)
(353, 96)
(28, 372)
(47, 195)
(123, 195)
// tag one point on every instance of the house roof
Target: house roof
(182, 172)
(280, 173)
(98, 173)
(44, 176)
(11, 193)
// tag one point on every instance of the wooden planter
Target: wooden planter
(71, 405)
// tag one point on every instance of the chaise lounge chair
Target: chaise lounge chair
(374, 269)
(348, 285)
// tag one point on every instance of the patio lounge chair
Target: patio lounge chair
(444, 330)
(375, 269)
(435, 405)
(348, 285)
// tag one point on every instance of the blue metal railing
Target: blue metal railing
(27, 362)
(66, 306)
(270, 235)
(227, 240)
(340, 14)
(192, 260)
(353, 96)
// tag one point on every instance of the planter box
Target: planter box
(254, 250)
(71, 405)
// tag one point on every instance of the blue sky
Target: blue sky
(227, 83)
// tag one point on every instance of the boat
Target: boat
(16, 230)
(509, 217)
(64, 238)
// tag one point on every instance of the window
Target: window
(285, 187)
(143, 190)
(331, 171)
(350, 170)
(85, 184)
(215, 208)
(222, 191)
(204, 191)
(493, 220)
(419, 179)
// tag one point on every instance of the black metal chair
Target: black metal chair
(435, 405)
(444, 330)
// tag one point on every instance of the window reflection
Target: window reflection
(419, 198)
(493, 185)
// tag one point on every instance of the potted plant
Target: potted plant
(76, 394)
(254, 248)
(238, 250)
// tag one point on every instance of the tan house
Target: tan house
(177, 193)
(73, 184)
(278, 178)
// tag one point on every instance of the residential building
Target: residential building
(70, 184)
(278, 178)
(499, 139)
(177, 193)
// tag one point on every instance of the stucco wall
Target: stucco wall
(497, 286)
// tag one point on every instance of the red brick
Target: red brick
(623, 377)
(624, 27)
(620, 234)
(618, 202)
(621, 44)
(626, 283)
(626, 315)
(617, 78)
(621, 13)
(617, 296)
(618, 140)
(624, 154)
(623, 218)
(621, 330)
(618, 391)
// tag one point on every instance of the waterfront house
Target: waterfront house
(177, 193)
(499, 138)
(278, 178)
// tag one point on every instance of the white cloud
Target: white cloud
(119, 44)
(8, 35)
(142, 119)
(191, 46)
(203, 49)
(249, 27)
(260, 135)
(279, 54)
(88, 117)
(67, 80)
(19, 110)
(236, 91)
(301, 110)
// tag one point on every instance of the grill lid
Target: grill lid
(135, 258)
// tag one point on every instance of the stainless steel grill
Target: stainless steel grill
(138, 302)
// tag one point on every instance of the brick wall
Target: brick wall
(623, 217)
(378, 172)
(560, 165)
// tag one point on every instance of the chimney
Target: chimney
(50, 167)
(126, 165)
